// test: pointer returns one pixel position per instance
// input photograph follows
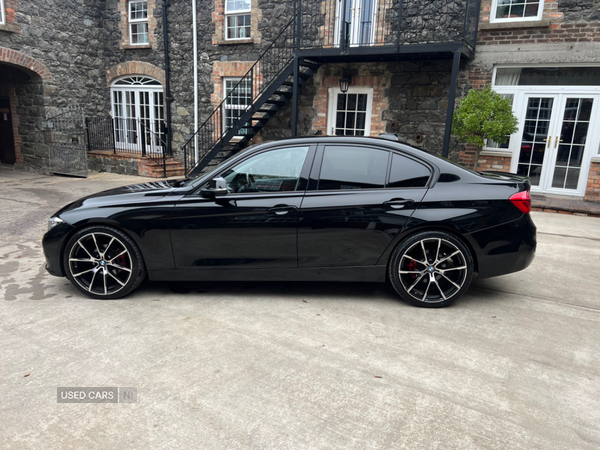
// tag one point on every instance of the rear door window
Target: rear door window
(346, 167)
(406, 172)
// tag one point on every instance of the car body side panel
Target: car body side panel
(146, 219)
(349, 228)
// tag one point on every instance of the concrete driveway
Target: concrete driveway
(515, 364)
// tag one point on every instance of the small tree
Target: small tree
(483, 115)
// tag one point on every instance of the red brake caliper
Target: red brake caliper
(412, 266)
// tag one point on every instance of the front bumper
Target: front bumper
(53, 244)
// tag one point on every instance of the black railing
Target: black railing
(241, 97)
(138, 136)
(362, 23)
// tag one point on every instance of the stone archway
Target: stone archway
(17, 114)
(135, 68)
(22, 61)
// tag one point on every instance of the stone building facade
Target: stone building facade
(50, 60)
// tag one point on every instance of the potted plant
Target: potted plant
(481, 115)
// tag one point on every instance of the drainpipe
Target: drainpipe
(195, 40)
(168, 98)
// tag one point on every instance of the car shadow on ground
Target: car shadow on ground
(303, 290)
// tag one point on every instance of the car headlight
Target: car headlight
(53, 221)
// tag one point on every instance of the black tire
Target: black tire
(431, 269)
(103, 262)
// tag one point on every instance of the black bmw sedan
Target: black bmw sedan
(322, 208)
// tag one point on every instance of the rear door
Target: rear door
(359, 198)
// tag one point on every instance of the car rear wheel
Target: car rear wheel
(431, 269)
(103, 262)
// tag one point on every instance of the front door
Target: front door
(556, 137)
(254, 225)
(7, 143)
(355, 22)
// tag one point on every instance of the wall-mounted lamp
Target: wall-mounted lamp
(345, 83)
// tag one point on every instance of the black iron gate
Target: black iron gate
(64, 133)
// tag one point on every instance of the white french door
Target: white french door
(360, 16)
(558, 133)
(139, 119)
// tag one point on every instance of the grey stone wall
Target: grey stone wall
(580, 10)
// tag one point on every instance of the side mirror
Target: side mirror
(216, 186)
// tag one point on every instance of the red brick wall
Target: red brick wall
(555, 33)
(592, 193)
(10, 18)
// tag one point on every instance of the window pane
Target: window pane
(276, 170)
(138, 10)
(353, 168)
(237, 5)
(238, 27)
(139, 33)
(407, 173)
(517, 9)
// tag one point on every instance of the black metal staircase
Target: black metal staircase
(262, 91)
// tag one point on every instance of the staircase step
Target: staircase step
(312, 65)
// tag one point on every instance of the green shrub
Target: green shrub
(483, 115)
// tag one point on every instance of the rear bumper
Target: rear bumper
(505, 248)
(53, 244)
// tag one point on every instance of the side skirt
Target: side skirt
(376, 274)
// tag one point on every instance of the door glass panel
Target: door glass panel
(407, 173)
(275, 170)
(574, 131)
(353, 168)
(535, 138)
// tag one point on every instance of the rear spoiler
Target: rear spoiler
(507, 176)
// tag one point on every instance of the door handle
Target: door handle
(281, 210)
(556, 141)
(398, 203)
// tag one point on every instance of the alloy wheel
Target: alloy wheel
(100, 263)
(433, 270)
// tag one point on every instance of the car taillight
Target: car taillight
(522, 200)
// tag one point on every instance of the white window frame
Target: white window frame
(331, 116)
(244, 108)
(132, 22)
(235, 13)
(123, 133)
(2, 14)
(494, 8)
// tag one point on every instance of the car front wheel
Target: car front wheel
(431, 269)
(103, 262)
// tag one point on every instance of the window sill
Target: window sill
(236, 42)
(132, 47)
(596, 159)
(544, 23)
(10, 28)
(495, 152)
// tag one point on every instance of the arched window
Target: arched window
(137, 106)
